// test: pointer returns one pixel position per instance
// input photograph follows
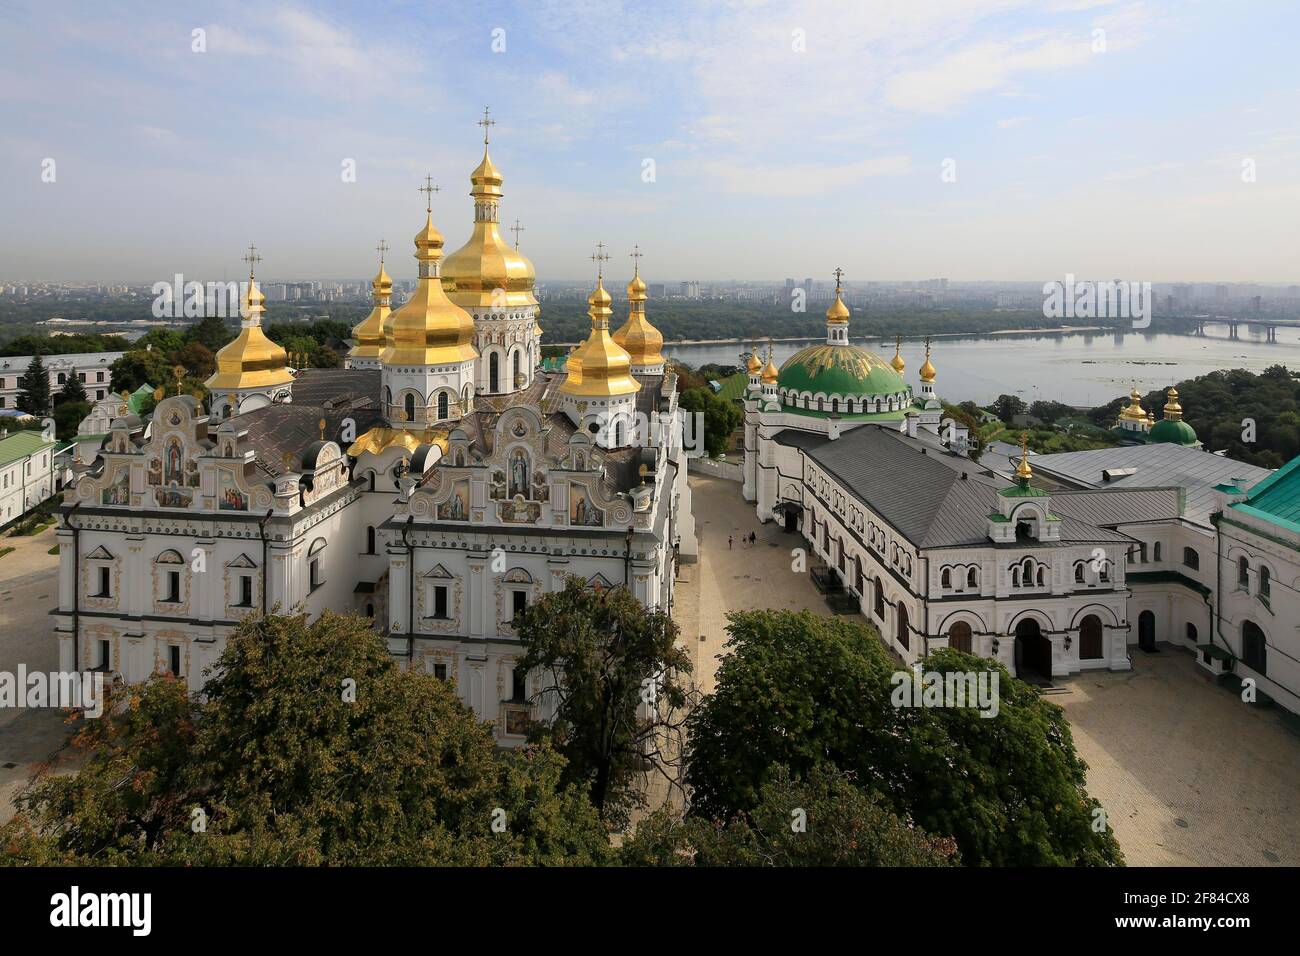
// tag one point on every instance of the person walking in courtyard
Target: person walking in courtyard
(729, 542)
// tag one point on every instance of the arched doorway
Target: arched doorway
(1033, 653)
(1147, 631)
(1254, 647)
(1090, 638)
(494, 363)
(959, 637)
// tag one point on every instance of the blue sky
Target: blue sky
(787, 138)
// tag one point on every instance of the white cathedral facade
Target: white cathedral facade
(437, 484)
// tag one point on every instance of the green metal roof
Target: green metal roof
(1277, 497)
(21, 444)
(734, 388)
(839, 370)
(136, 401)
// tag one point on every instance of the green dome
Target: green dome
(1173, 432)
(839, 370)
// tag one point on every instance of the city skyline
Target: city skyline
(997, 141)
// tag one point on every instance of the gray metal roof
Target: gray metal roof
(1157, 464)
(1108, 507)
(919, 489)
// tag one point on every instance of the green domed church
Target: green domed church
(1135, 425)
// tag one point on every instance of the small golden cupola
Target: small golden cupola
(897, 362)
(429, 329)
(250, 364)
(600, 366)
(927, 371)
(1133, 412)
(641, 340)
(486, 272)
(368, 334)
(837, 316)
(770, 372)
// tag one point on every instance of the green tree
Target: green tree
(1007, 407)
(140, 367)
(311, 746)
(611, 675)
(67, 416)
(799, 690)
(34, 388)
(72, 391)
(211, 332)
(721, 417)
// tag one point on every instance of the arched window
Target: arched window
(1015, 576)
(1265, 582)
(515, 370)
(370, 540)
(972, 578)
(1040, 577)
(945, 578)
(442, 405)
(1243, 573)
(1104, 574)
(1091, 642)
(618, 432)
(1254, 651)
(903, 635)
(62, 378)
(408, 406)
(959, 637)
(1078, 573)
(878, 597)
(1191, 559)
(1191, 633)
(835, 404)
(493, 372)
(1155, 551)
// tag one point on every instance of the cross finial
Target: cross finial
(381, 249)
(321, 425)
(927, 346)
(252, 258)
(429, 189)
(516, 229)
(600, 258)
(636, 254)
(839, 274)
(485, 122)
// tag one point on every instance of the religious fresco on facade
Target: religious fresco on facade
(581, 509)
(519, 484)
(173, 497)
(229, 495)
(173, 470)
(456, 507)
(119, 492)
(519, 511)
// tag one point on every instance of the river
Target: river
(1078, 368)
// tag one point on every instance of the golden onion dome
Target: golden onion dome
(429, 329)
(897, 362)
(486, 272)
(369, 333)
(600, 366)
(755, 364)
(250, 359)
(838, 313)
(1023, 471)
(1173, 410)
(927, 371)
(1134, 412)
(637, 336)
(770, 372)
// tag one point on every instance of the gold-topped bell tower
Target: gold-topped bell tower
(368, 334)
(641, 340)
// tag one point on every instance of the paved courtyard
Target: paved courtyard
(1188, 774)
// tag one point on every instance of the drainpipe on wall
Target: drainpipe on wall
(410, 591)
(261, 531)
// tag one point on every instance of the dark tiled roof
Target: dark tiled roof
(321, 386)
(1107, 507)
(279, 430)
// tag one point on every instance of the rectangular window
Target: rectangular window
(440, 601)
(245, 590)
(105, 660)
(174, 659)
(520, 603)
(314, 577)
(105, 583)
(440, 671)
(517, 692)
(173, 587)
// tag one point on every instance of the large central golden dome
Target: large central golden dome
(473, 274)
(428, 329)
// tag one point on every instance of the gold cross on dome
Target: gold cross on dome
(636, 254)
(429, 189)
(600, 258)
(485, 122)
(381, 249)
(516, 229)
(839, 274)
(252, 258)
